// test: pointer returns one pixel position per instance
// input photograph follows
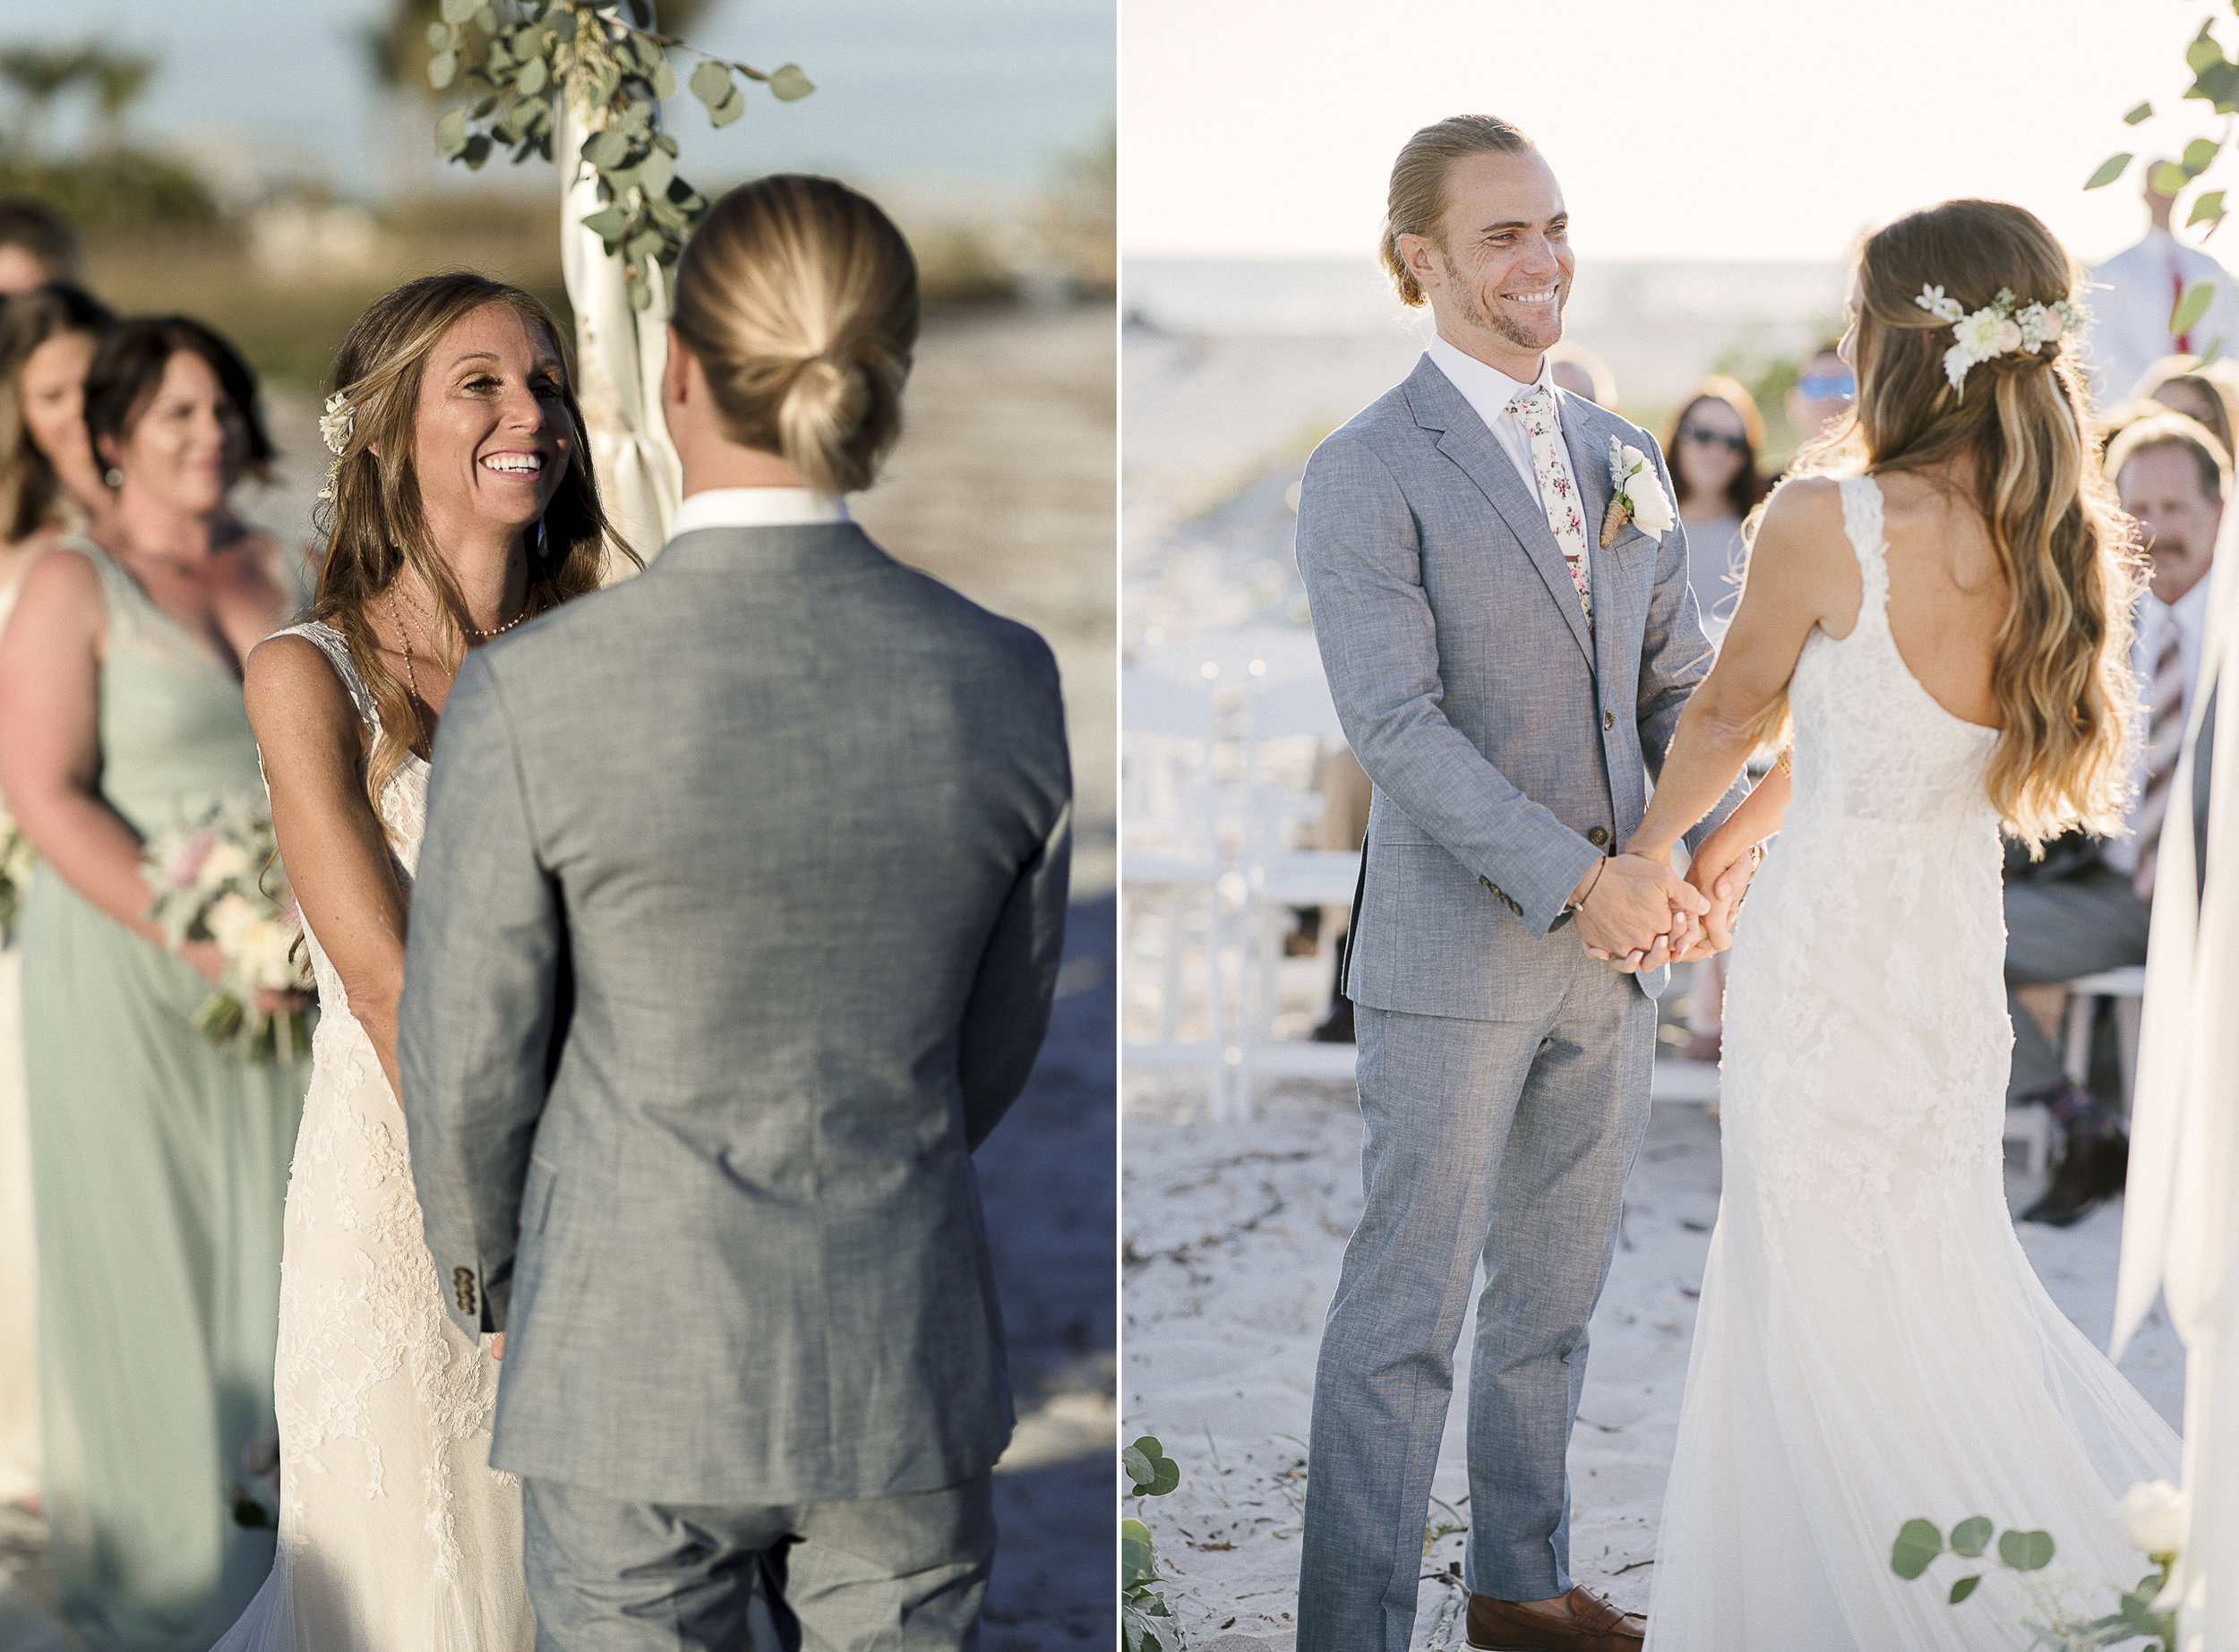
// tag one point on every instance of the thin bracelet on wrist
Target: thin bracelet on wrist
(1579, 903)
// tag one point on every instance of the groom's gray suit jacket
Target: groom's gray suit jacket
(1508, 740)
(735, 931)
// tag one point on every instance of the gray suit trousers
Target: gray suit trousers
(2056, 932)
(1508, 1141)
(877, 1574)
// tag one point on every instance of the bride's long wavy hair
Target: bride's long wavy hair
(2061, 673)
(374, 524)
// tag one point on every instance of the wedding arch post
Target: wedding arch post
(581, 82)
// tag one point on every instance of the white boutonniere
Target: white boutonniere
(1638, 497)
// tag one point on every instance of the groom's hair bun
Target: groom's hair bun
(1415, 203)
(799, 298)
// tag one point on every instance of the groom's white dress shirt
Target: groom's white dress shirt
(756, 507)
(2188, 618)
(1488, 391)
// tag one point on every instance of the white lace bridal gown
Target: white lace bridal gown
(1872, 1345)
(395, 1534)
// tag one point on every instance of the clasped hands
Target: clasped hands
(1634, 913)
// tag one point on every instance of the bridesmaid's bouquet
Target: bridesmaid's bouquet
(209, 878)
(17, 858)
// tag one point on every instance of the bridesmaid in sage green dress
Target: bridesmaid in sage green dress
(159, 1162)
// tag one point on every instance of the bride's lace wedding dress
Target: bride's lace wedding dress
(395, 1534)
(1872, 1345)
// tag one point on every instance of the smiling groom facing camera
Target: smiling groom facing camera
(1509, 647)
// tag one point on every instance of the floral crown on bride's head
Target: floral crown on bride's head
(1997, 329)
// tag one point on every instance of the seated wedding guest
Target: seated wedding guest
(2205, 394)
(1822, 392)
(159, 1159)
(1578, 369)
(2088, 912)
(36, 246)
(2137, 295)
(48, 485)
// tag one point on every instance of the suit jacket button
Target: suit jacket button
(1598, 837)
(1608, 719)
(463, 1281)
(1487, 882)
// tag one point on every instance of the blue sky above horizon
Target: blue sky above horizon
(983, 94)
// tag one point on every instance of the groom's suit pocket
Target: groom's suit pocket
(1428, 930)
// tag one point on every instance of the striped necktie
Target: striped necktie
(2165, 736)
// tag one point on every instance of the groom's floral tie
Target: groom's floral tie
(1558, 494)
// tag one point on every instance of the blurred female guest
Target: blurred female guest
(464, 503)
(160, 1160)
(1713, 447)
(2203, 393)
(47, 483)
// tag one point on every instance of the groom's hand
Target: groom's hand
(1635, 912)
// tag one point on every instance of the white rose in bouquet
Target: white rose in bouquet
(218, 880)
(225, 864)
(2155, 1513)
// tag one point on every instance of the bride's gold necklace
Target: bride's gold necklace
(472, 631)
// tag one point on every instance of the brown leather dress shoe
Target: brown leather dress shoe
(1594, 1625)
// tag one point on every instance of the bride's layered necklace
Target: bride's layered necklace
(404, 635)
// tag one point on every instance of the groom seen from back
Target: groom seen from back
(1509, 639)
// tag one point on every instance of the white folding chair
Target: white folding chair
(2127, 988)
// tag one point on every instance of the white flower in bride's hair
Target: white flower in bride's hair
(336, 424)
(1980, 334)
(1935, 303)
(2154, 1514)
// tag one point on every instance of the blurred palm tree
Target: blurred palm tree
(38, 74)
(119, 78)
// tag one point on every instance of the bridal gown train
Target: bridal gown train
(1872, 1345)
(395, 1534)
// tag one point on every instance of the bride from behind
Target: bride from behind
(1939, 606)
(462, 503)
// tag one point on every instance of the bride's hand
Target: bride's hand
(205, 958)
(497, 1345)
(273, 1002)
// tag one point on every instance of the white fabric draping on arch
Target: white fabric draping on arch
(2181, 1218)
(621, 354)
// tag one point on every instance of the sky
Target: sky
(987, 93)
(1699, 129)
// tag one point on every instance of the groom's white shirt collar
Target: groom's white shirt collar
(1488, 391)
(756, 507)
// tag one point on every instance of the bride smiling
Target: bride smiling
(462, 503)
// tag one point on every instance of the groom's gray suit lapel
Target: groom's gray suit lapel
(1438, 406)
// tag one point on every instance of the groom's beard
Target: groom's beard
(1476, 314)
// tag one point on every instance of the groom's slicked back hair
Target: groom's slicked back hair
(1415, 203)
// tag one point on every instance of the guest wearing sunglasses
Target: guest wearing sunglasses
(1824, 392)
(1713, 447)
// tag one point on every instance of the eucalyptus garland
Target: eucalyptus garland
(515, 59)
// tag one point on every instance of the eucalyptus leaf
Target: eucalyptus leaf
(1964, 1587)
(477, 151)
(560, 20)
(457, 11)
(2208, 206)
(666, 144)
(440, 38)
(1917, 1543)
(662, 211)
(2168, 179)
(451, 133)
(531, 79)
(485, 20)
(710, 83)
(2143, 112)
(636, 118)
(641, 292)
(655, 172)
(2192, 307)
(608, 223)
(2199, 156)
(664, 80)
(2110, 170)
(1971, 1537)
(606, 149)
(788, 84)
(498, 58)
(2203, 52)
(443, 69)
(2025, 1550)
(644, 244)
(722, 114)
